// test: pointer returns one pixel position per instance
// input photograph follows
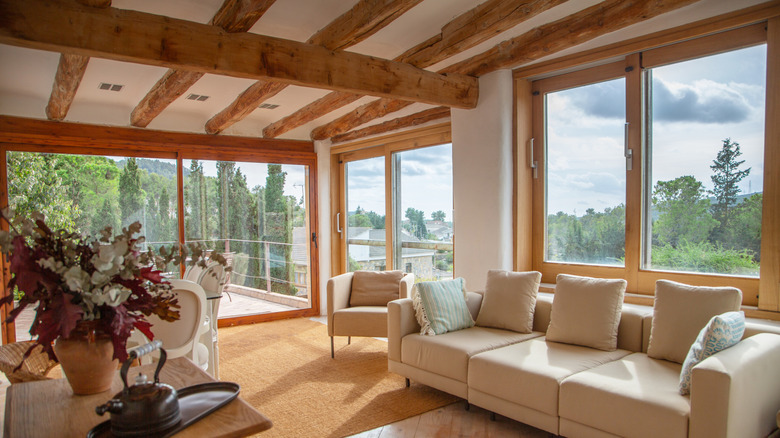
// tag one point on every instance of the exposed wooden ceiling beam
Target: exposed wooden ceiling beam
(330, 102)
(66, 82)
(364, 19)
(440, 112)
(232, 16)
(70, 71)
(360, 22)
(363, 114)
(465, 31)
(589, 23)
(477, 25)
(133, 36)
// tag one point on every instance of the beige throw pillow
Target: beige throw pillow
(509, 301)
(679, 313)
(375, 288)
(586, 311)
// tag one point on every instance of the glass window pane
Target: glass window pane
(257, 214)
(423, 212)
(86, 193)
(366, 215)
(586, 174)
(707, 143)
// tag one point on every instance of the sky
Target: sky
(696, 105)
(426, 181)
(256, 174)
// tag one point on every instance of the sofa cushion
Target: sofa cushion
(448, 354)
(375, 288)
(360, 321)
(679, 313)
(586, 311)
(510, 298)
(529, 373)
(720, 333)
(441, 307)
(635, 396)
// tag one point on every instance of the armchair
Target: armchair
(357, 302)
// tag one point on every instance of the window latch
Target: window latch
(532, 161)
(314, 239)
(338, 222)
(628, 153)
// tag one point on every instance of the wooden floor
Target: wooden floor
(455, 421)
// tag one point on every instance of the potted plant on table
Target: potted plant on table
(90, 293)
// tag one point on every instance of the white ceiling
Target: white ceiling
(26, 75)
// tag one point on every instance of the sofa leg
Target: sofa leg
(408, 383)
(332, 353)
(349, 340)
(492, 416)
(468, 406)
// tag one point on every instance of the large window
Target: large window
(256, 213)
(423, 212)
(586, 174)
(655, 166)
(251, 202)
(365, 226)
(408, 227)
(706, 148)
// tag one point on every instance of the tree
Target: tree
(34, 186)
(278, 228)
(438, 215)
(726, 177)
(747, 219)
(684, 211)
(131, 197)
(164, 206)
(416, 222)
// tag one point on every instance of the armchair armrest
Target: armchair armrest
(401, 321)
(339, 289)
(736, 392)
(407, 282)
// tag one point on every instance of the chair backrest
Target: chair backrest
(212, 279)
(193, 273)
(179, 337)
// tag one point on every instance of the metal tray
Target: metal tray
(195, 402)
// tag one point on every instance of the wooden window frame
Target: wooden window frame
(28, 135)
(384, 146)
(761, 296)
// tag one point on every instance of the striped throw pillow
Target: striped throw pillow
(720, 333)
(440, 306)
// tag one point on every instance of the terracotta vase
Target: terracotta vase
(87, 362)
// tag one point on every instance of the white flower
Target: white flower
(109, 258)
(99, 279)
(76, 279)
(52, 265)
(111, 294)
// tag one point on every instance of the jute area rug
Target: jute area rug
(286, 372)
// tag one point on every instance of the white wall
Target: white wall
(482, 181)
(322, 148)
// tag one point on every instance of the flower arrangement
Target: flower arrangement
(104, 285)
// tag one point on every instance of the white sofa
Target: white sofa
(579, 391)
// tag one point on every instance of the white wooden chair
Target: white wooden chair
(212, 280)
(178, 337)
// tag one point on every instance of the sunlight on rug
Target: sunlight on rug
(285, 371)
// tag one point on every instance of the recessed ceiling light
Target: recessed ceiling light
(269, 106)
(110, 87)
(198, 97)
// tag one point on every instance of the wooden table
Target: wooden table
(48, 408)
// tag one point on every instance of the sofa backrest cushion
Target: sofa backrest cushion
(375, 288)
(586, 311)
(681, 311)
(509, 300)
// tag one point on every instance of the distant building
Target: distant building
(417, 261)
